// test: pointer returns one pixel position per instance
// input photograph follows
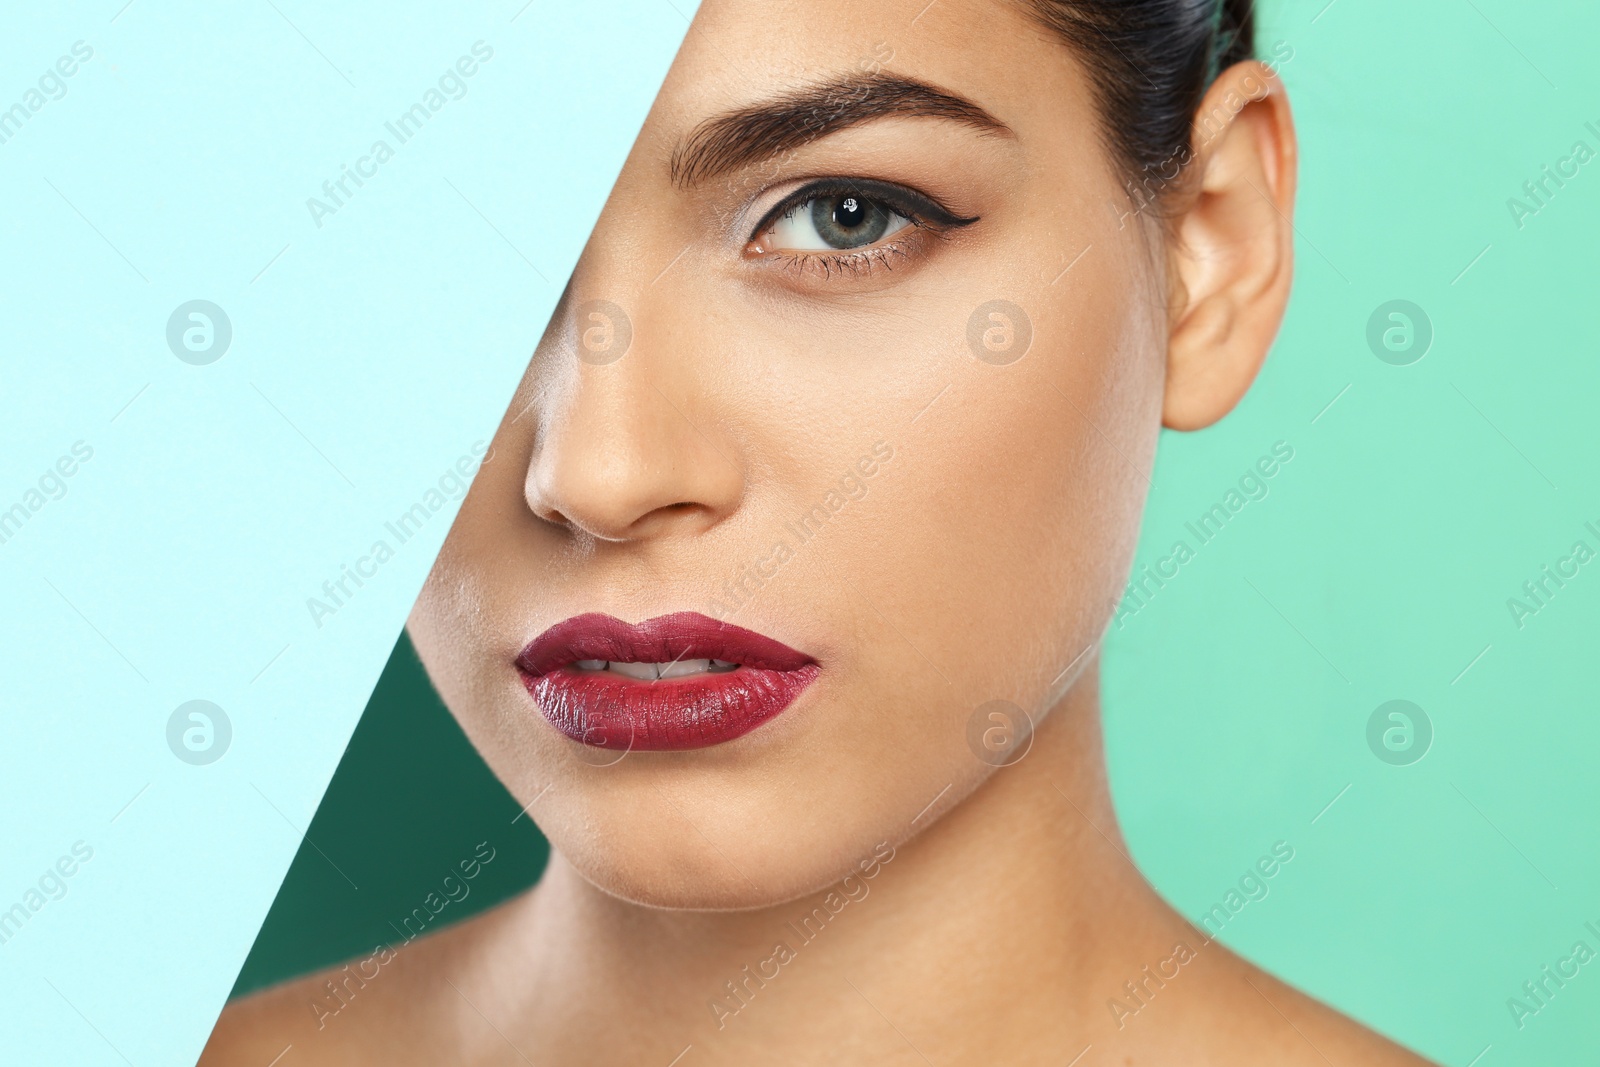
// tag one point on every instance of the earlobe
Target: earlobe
(1232, 248)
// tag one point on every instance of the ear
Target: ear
(1233, 253)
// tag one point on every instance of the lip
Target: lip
(605, 710)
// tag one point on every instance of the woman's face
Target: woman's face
(945, 424)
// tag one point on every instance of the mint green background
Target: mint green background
(1391, 543)
(367, 356)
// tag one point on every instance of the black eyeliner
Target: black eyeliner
(919, 208)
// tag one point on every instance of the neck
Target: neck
(1017, 913)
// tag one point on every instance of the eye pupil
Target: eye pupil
(849, 212)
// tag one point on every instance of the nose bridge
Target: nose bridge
(623, 449)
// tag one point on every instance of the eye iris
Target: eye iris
(849, 221)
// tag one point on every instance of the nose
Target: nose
(627, 444)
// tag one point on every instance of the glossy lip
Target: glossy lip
(604, 710)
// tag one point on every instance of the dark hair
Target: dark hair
(1153, 61)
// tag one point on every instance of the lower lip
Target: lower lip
(603, 710)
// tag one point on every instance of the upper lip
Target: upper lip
(682, 635)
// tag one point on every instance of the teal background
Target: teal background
(1380, 565)
(367, 356)
(1420, 897)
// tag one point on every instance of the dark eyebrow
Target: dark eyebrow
(796, 118)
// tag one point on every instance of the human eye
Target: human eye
(849, 225)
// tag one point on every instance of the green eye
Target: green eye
(850, 224)
(838, 222)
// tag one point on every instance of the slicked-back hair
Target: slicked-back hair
(1152, 62)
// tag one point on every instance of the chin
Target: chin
(674, 873)
(703, 850)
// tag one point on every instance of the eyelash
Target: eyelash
(857, 262)
(924, 213)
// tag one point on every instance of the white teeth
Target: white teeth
(644, 672)
(683, 667)
(650, 672)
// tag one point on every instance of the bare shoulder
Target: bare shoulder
(1292, 1028)
(393, 1005)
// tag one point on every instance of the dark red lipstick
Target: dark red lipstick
(666, 684)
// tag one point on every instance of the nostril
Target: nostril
(670, 512)
(613, 467)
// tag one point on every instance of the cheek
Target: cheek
(999, 538)
(465, 624)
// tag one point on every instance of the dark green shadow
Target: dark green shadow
(410, 799)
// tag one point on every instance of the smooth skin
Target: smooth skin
(981, 562)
